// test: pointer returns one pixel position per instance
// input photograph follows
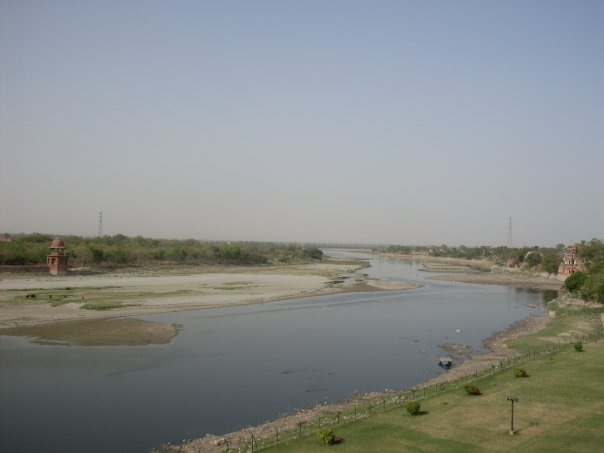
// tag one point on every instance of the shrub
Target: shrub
(579, 346)
(575, 281)
(520, 372)
(413, 407)
(328, 437)
(472, 390)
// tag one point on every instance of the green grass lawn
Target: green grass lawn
(569, 326)
(560, 408)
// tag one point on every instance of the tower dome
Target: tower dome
(57, 244)
(57, 261)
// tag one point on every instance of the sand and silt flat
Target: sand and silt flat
(99, 332)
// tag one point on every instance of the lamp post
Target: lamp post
(512, 399)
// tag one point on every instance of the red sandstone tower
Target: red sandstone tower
(57, 261)
(571, 262)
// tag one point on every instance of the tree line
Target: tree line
(120, 250)
(541, 259)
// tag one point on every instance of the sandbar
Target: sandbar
(43, 299)
(99, 332)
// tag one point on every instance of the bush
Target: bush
(312, 253)
(593, 287)
(520, 372)
(328, 437)
(413, 407)
(579, 346)
(472, 390)
(574, 282)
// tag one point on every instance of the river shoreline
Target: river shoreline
(53, 309)
(151, 292)
(514, 280)
(497, 351)
(480, 272)
(476, 362)
(248, 286)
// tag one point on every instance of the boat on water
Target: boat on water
(445, 362)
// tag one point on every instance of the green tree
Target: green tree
(312, 253)
(81, 255)
(593, 287)
(98, 255)
(533, 259)
(575, 281)
(550, 263)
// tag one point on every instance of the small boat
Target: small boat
(445, 362)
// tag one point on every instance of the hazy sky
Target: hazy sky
(404, 122)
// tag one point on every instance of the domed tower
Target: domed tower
(572, 262)
(57, 261)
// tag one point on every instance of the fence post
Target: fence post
(384, 403)
(355, 413)
(370, 409)
(339, 417)
(299, 429)
(277, 434)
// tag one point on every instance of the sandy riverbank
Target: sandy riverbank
(515, 280)
(480, 272)
(71, 302)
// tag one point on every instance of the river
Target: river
(234, 367)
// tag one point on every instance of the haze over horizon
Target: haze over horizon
(389, 122)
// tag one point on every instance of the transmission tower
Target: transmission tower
(101, 224)
(510, 242)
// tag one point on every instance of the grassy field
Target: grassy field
(560, 408)
(571, 324)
